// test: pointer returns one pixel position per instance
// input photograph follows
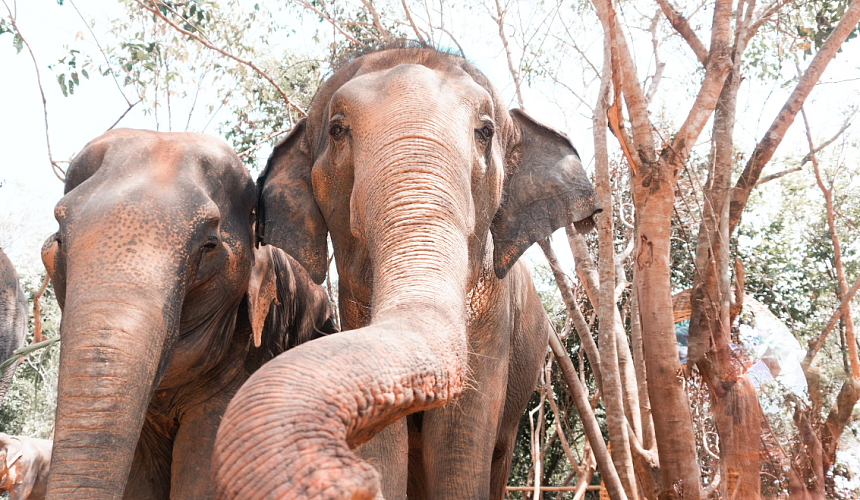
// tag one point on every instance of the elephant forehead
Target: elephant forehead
(436, 88)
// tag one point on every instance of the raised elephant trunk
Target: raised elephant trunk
(300, 415)
(107, 369)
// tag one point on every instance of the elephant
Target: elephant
(26, 463)
(13, 319)
(162, 292)
(430, 191)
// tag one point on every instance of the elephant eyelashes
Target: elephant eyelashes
(337, 131)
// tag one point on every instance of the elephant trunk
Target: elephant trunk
(111, 360)
(289, 431)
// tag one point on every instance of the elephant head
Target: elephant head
(410, 161)
(151, 265)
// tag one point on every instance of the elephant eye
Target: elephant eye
(210, 245)
(337, 131)
(486, 132)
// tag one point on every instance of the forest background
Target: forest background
(246, 70)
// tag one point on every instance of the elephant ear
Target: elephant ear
(14, 451)
(546, 188)
(287, 213)
(298, 313)
(262, 290)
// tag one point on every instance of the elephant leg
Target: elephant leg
(458, 438)
(502, 454)
(193, 448)
(388, 452)
(149, 478)
(528, 351)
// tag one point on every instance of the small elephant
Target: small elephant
(431, 190)
(25, 464)
(13, 319)
(167, 307)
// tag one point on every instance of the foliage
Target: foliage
(29, 405)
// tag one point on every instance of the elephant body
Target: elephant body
(431, 190)
(13, 319)
(167, 307)
(26, 463)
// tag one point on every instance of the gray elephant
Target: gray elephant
(13, 319)
(25, 463)
(167, 306)
(430, 190)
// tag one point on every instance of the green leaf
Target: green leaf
(75, 79)
(86, 75)
(18, 43)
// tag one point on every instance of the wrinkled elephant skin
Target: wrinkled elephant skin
(25, 463)
(431, 190)
(13, 319)
(167, 307)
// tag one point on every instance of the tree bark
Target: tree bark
(613, 395)
(589, 422)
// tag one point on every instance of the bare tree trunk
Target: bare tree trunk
(589, 276)
(710, 328)
(613, 397)
(653, 183)
(589, 422)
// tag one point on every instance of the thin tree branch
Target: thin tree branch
(682, 26)
(249, 64)
(589, 422)
(837, 252)
(412, 23)
(844, 308)
(773, 137)
(777, 175)
(59, 172)
(37, 311)
(104, 55)
(766, 12)
(573, 311)
(123, 115)
(718, 67)
(331, 21)
(263, 141)
(500, 20)
(659, 65)
(368, 4)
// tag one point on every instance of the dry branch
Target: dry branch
(412, 23)
(589, 422)
(37, 311)
(368, 4)
(155, 10)
(58, 171)
(844, 308)
(773, 137)
(837, 253)
(499, 18)
(682, 26)
(331, 21)
(573, 310)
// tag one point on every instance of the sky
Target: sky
(30, 190)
